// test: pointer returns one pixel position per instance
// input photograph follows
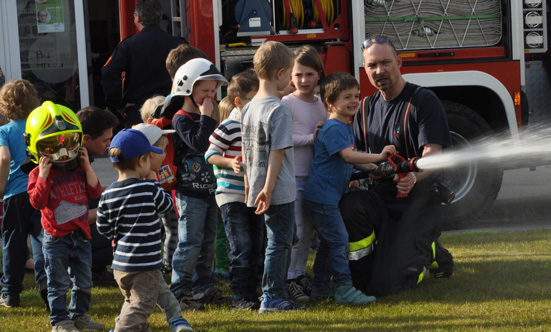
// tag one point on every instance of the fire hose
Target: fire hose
(397, 165)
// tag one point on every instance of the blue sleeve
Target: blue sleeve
(195, 134)
(3, 138)
(339, 140)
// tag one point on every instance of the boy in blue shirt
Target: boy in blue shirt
(330, 171)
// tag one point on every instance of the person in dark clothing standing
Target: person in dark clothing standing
(392, 238)
(142, 58)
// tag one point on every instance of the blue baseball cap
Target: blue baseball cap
(132, 143)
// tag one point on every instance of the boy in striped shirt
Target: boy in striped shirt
(128, 215)
(244, 228)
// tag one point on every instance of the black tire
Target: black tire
(475, 188)
(524, 109)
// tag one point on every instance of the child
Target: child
(335, 150)
(128, 215)
(221, 259)
(166, 300)
(267, 141)
(60, 188)
(149, 107)
(244, 228)
(192, 277)
(308, 115)
(170, 218)
(17, 99)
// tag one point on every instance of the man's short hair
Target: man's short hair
(95, 121)
(270, 57)
(150, 12)
(335, 83)
(18, 98)
(241, 84)
(378, 40)
(180, 55)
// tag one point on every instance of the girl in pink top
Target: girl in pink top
(308, 115)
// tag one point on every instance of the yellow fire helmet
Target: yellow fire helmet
(54, 131)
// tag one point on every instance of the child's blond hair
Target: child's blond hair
(162, 141)
(224, 108)
(333, 85)
(149, 107)
(271, 57)
(241, 84)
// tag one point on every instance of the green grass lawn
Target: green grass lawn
(502, 282)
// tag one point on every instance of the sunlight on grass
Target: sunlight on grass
(502, 282)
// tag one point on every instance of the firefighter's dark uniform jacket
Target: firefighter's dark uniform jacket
(142, 57)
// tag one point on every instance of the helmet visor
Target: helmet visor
(61, 147)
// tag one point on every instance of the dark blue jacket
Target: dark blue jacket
(143, 58)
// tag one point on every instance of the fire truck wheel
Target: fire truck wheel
(524, 108)
(475, 187)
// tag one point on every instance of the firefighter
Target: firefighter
(142, 57)
(391, 238)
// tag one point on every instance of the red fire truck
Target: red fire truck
(470, 53)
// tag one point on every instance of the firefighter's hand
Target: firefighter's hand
(354, 184)
(44, 166)
(405, 184)
(206, 108)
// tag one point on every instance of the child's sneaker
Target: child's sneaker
(85, 323)
(304, 281)
(166, 269)
(10, 301)
(278, 304)
(322, 292)
(349, 295)
(180, 325)
(65, 326)
(240, 303)
(212, 295)
(297, 293)
(188, 303)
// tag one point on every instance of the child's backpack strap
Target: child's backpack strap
(406, 110)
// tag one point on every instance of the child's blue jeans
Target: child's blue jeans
(245, 233)
(68, 260)
(331, 259)
(280, 228)
(194, 256)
